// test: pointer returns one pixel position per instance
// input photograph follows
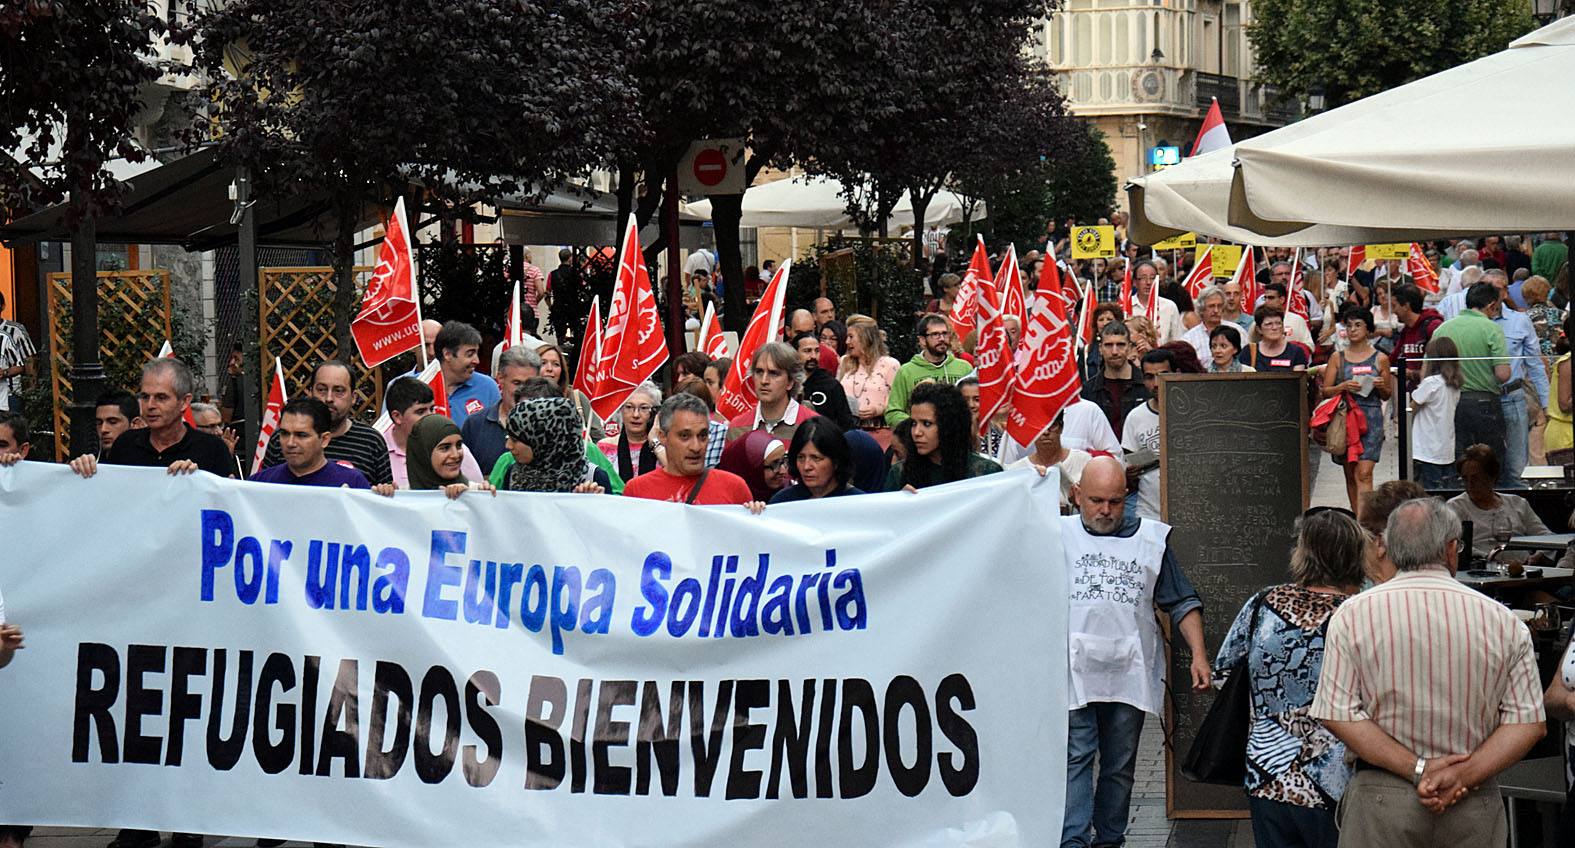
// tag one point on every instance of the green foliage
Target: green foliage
(1082, 181)
(1356, 48)
(71, 76)
(878, 282)
(1076, 180)
(466, 283)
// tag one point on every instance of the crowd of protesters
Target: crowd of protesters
(835, 415)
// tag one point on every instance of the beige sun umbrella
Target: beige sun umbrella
(1485, 147)
(1195, 197)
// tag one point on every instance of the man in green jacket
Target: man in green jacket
(934, 362)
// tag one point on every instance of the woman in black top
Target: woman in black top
(1273, 352)
(822, 462)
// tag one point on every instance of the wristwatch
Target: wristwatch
(1416, 773)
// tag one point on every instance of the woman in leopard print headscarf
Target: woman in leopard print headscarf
(553, 459)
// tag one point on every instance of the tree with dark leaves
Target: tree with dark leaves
(454, 101)
(72, 76)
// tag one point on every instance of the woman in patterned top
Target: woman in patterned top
(1296, 768)
(866, 374)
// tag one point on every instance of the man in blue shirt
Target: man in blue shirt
(1525, 363)
(459, 349)
(304, 425)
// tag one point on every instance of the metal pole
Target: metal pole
(675, 269)
(1402, 434)
(252, 377)
(87, 372)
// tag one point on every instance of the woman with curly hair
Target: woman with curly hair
(939, 448)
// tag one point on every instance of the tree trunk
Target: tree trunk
(727, 213)
(727, 210)
(87, 372)
(347, 211)
(921, 204)
(625, 194)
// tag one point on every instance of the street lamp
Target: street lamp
(1544, 11)
(1159, 56)
(1315, 98)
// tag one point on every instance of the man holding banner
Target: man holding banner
(167, 441)
(1119, 568)
(351, 442)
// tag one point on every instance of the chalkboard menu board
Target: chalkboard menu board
(1233, 480)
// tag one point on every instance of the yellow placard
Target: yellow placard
(1181, 242)
(1225, 257)
(1389, 251)
(1093, 242)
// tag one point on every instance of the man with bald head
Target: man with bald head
(1119, 568)
(825, 312)
(800, 321)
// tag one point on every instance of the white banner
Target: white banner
(247, 659)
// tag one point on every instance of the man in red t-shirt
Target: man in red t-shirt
(684, 419)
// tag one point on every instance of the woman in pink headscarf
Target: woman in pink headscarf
(761, 460)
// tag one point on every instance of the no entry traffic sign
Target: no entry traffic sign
(713, 166)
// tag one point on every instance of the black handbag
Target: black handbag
(1219, 751)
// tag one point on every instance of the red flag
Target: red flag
(1009, 286)
(1212, 135)
(1085, 317)
(1358, 256)
(633, 347)
(390, 319)
(1046, 379)
(992, 353)
(270, 416)
(1247, 277)
(513, 333)
(1295, 299)
(709, 339)
(1421, 270)
(168, 352)
(738, 390)
(432, 375)
(590, 350)
(1151, 304)
(1202, 274)
(1126, 291)
(965, 306)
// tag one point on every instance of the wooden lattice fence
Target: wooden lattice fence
(134, 320)
(296, 311)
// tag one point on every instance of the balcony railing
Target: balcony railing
(1215, 86)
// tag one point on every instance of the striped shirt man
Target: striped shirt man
(1435, 664)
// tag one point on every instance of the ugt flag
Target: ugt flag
(390, 319)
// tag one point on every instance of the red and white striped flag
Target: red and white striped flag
(1046, 379)
(1085, 318)
(1246, 276)
(1421, 270)
(432, 375)
(1151, 303)
(738, 389)
(1126, 291)
(992, 353)
(966, 304)
(1358, 256)
(270, 416)
(168, 352)
(709, 339)
(1009, 286)
(587, 359)
(1295, 296)
(1212, 135)
(633, 347)
(1202, 274)
(513, 333)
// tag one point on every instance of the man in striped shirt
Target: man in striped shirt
(16, 348)
(1434, 687)
(351, 443)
